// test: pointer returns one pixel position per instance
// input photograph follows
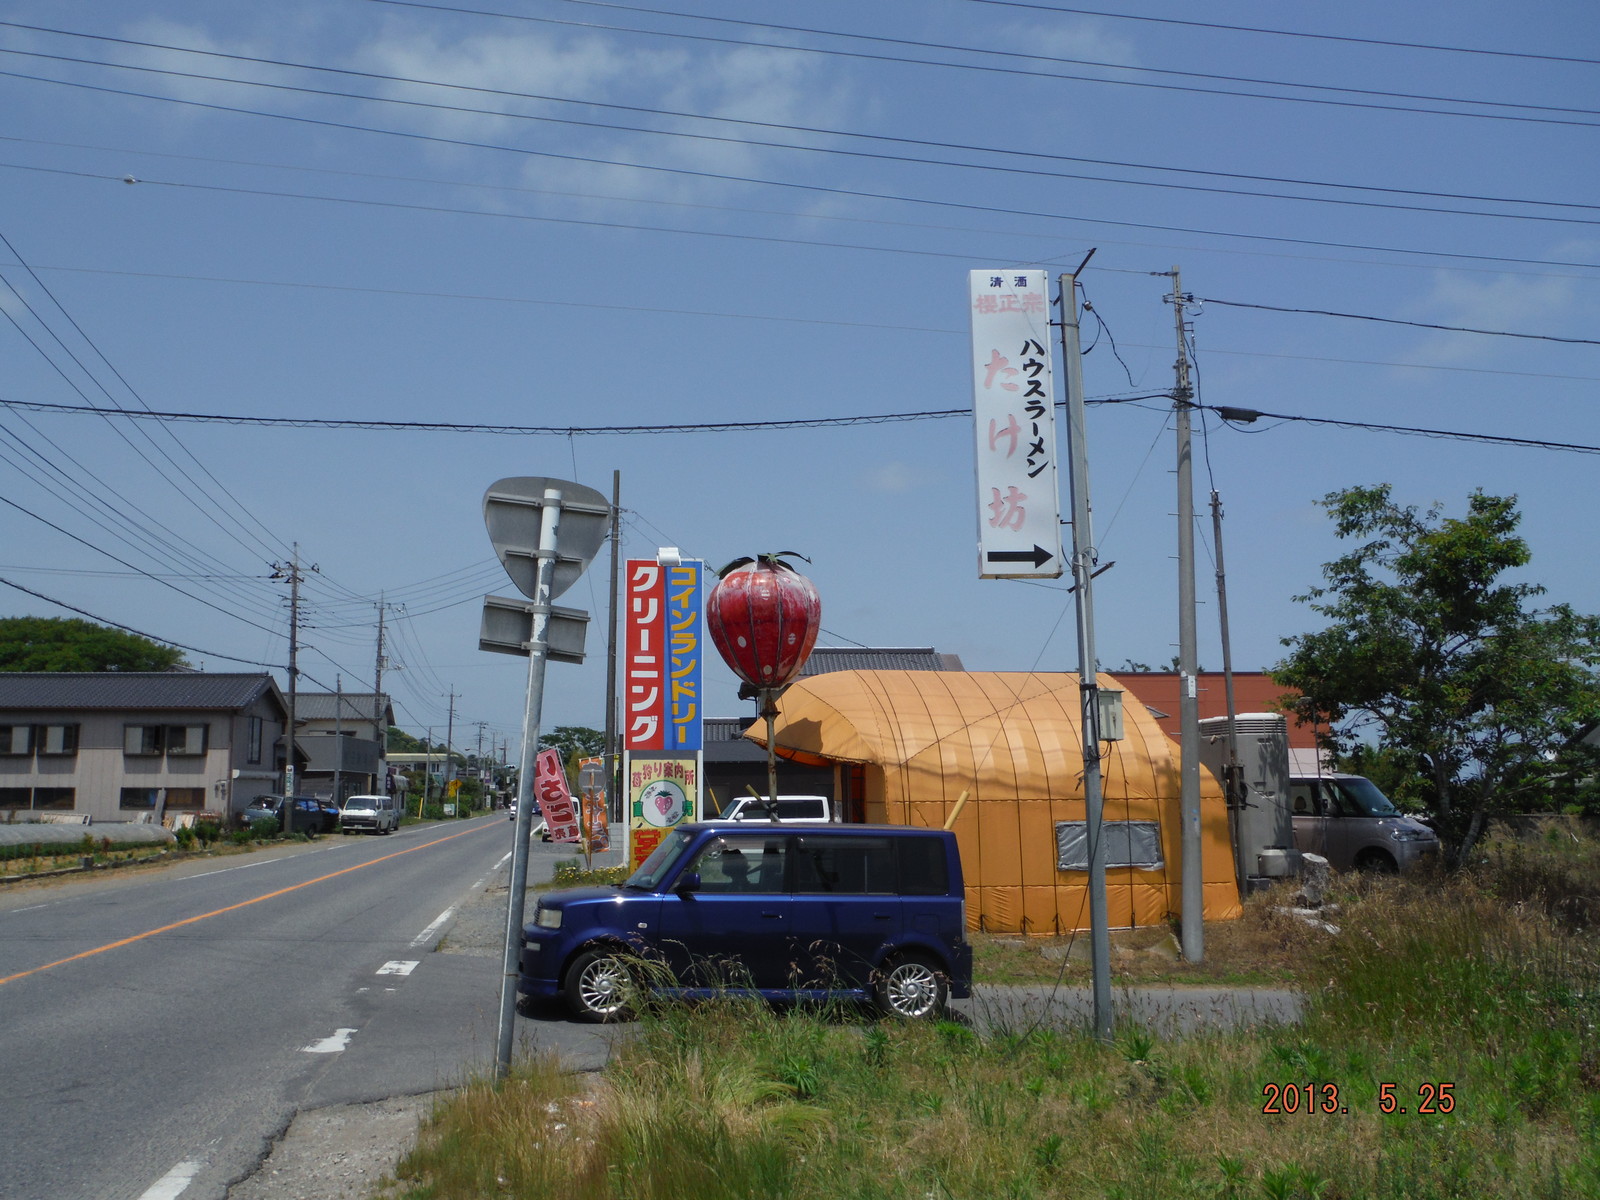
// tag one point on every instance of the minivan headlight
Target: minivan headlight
(547, 918)
(1411, 835)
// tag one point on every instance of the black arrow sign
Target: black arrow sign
(1038, 556)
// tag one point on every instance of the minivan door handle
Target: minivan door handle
(771, 916)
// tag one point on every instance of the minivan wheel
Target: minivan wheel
(599, 987)
(1377, 862)
(912, 987)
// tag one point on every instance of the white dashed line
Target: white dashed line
(438, 924)
(170, 1186)
(329, 1045)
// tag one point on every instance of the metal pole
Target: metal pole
(1193, 920)
(1083, 560)
(538, 657)
(1231, 783)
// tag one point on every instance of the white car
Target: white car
(372, 814)
(791, 810)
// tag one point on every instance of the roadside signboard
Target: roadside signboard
(592, 787)
(664, 641)
(555, 799)
(662, 794)
(1019, 502)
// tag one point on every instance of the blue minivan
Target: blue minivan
(786, 912)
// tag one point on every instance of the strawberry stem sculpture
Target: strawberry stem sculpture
(764, 617)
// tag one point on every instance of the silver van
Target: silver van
(374, 814)
(1347, 820)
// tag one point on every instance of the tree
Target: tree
(69, 644)
(574, 742)
(1471, 697)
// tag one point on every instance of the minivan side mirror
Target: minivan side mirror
(688, 882)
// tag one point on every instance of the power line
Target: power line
(1011, 71)
(1319, 312)
(1245, 416)
(130, 629)
(720, 177)
(747, 122)
(1288, 33)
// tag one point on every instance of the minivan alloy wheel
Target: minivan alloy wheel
(912, 987)
(599, 987)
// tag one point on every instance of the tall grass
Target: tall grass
(1427, 983)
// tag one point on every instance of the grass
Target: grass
(1487, 982)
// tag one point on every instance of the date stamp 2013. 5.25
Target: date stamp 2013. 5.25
(1312, 1098)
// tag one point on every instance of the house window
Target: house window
(58, 739)
(141, 739)
(186, 798)
(16, 740)
(254, 734)
(15, 797)
(140, 798)
(55, 798)
(186, 739)
(1127, 844)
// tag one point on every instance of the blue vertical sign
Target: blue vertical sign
(686, 639)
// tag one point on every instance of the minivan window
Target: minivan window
(846, 866)
(1361, 798)
(653, 869)
(742, 863)
(923, 868)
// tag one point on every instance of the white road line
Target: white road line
(170, 1186)
(397, 966)
(435, 927)
(484, 878)
(330, 1045)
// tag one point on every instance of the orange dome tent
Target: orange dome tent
(1011, 741)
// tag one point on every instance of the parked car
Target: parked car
(789, 810)
(861, 912)
(311, 815)
(1351, 823)
(372, 814)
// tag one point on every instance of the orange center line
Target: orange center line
(139, 937)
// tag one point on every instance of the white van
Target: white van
(376, 814)
(791, 810)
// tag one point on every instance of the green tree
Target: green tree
(69, 644)
(1471, 697)
(401, 742)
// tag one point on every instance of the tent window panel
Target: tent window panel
(1128, 844)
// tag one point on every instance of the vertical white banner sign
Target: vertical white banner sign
(1019, 502)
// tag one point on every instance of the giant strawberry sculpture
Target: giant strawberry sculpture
(764, 616)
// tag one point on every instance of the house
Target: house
(344, 736)
(1253, 692)
(135, 746)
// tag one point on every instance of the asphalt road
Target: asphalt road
(160, 1029)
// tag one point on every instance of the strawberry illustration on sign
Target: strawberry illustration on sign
(764, 616)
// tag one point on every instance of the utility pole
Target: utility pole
(427, 770)
(291, 572)
(449, 740)
(380, 727)
(338, 740)
(1083, 572)
(613, 784)
(1192, 924)
(1230, 775)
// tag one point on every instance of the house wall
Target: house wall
(101, 768)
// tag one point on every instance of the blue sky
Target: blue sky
(592, 216)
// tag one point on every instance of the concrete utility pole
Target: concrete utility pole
(449, 741)
(1230, 782)
(1083, 570)
(613, 782)
(291, 572)
(380, 728)
(1192, 925)
(338, 742)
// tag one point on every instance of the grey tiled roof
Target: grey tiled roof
(130, 689)
(878, 658)
(320, 706)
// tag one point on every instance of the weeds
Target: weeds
(1475, 982)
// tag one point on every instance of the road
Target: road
(158, 1029)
